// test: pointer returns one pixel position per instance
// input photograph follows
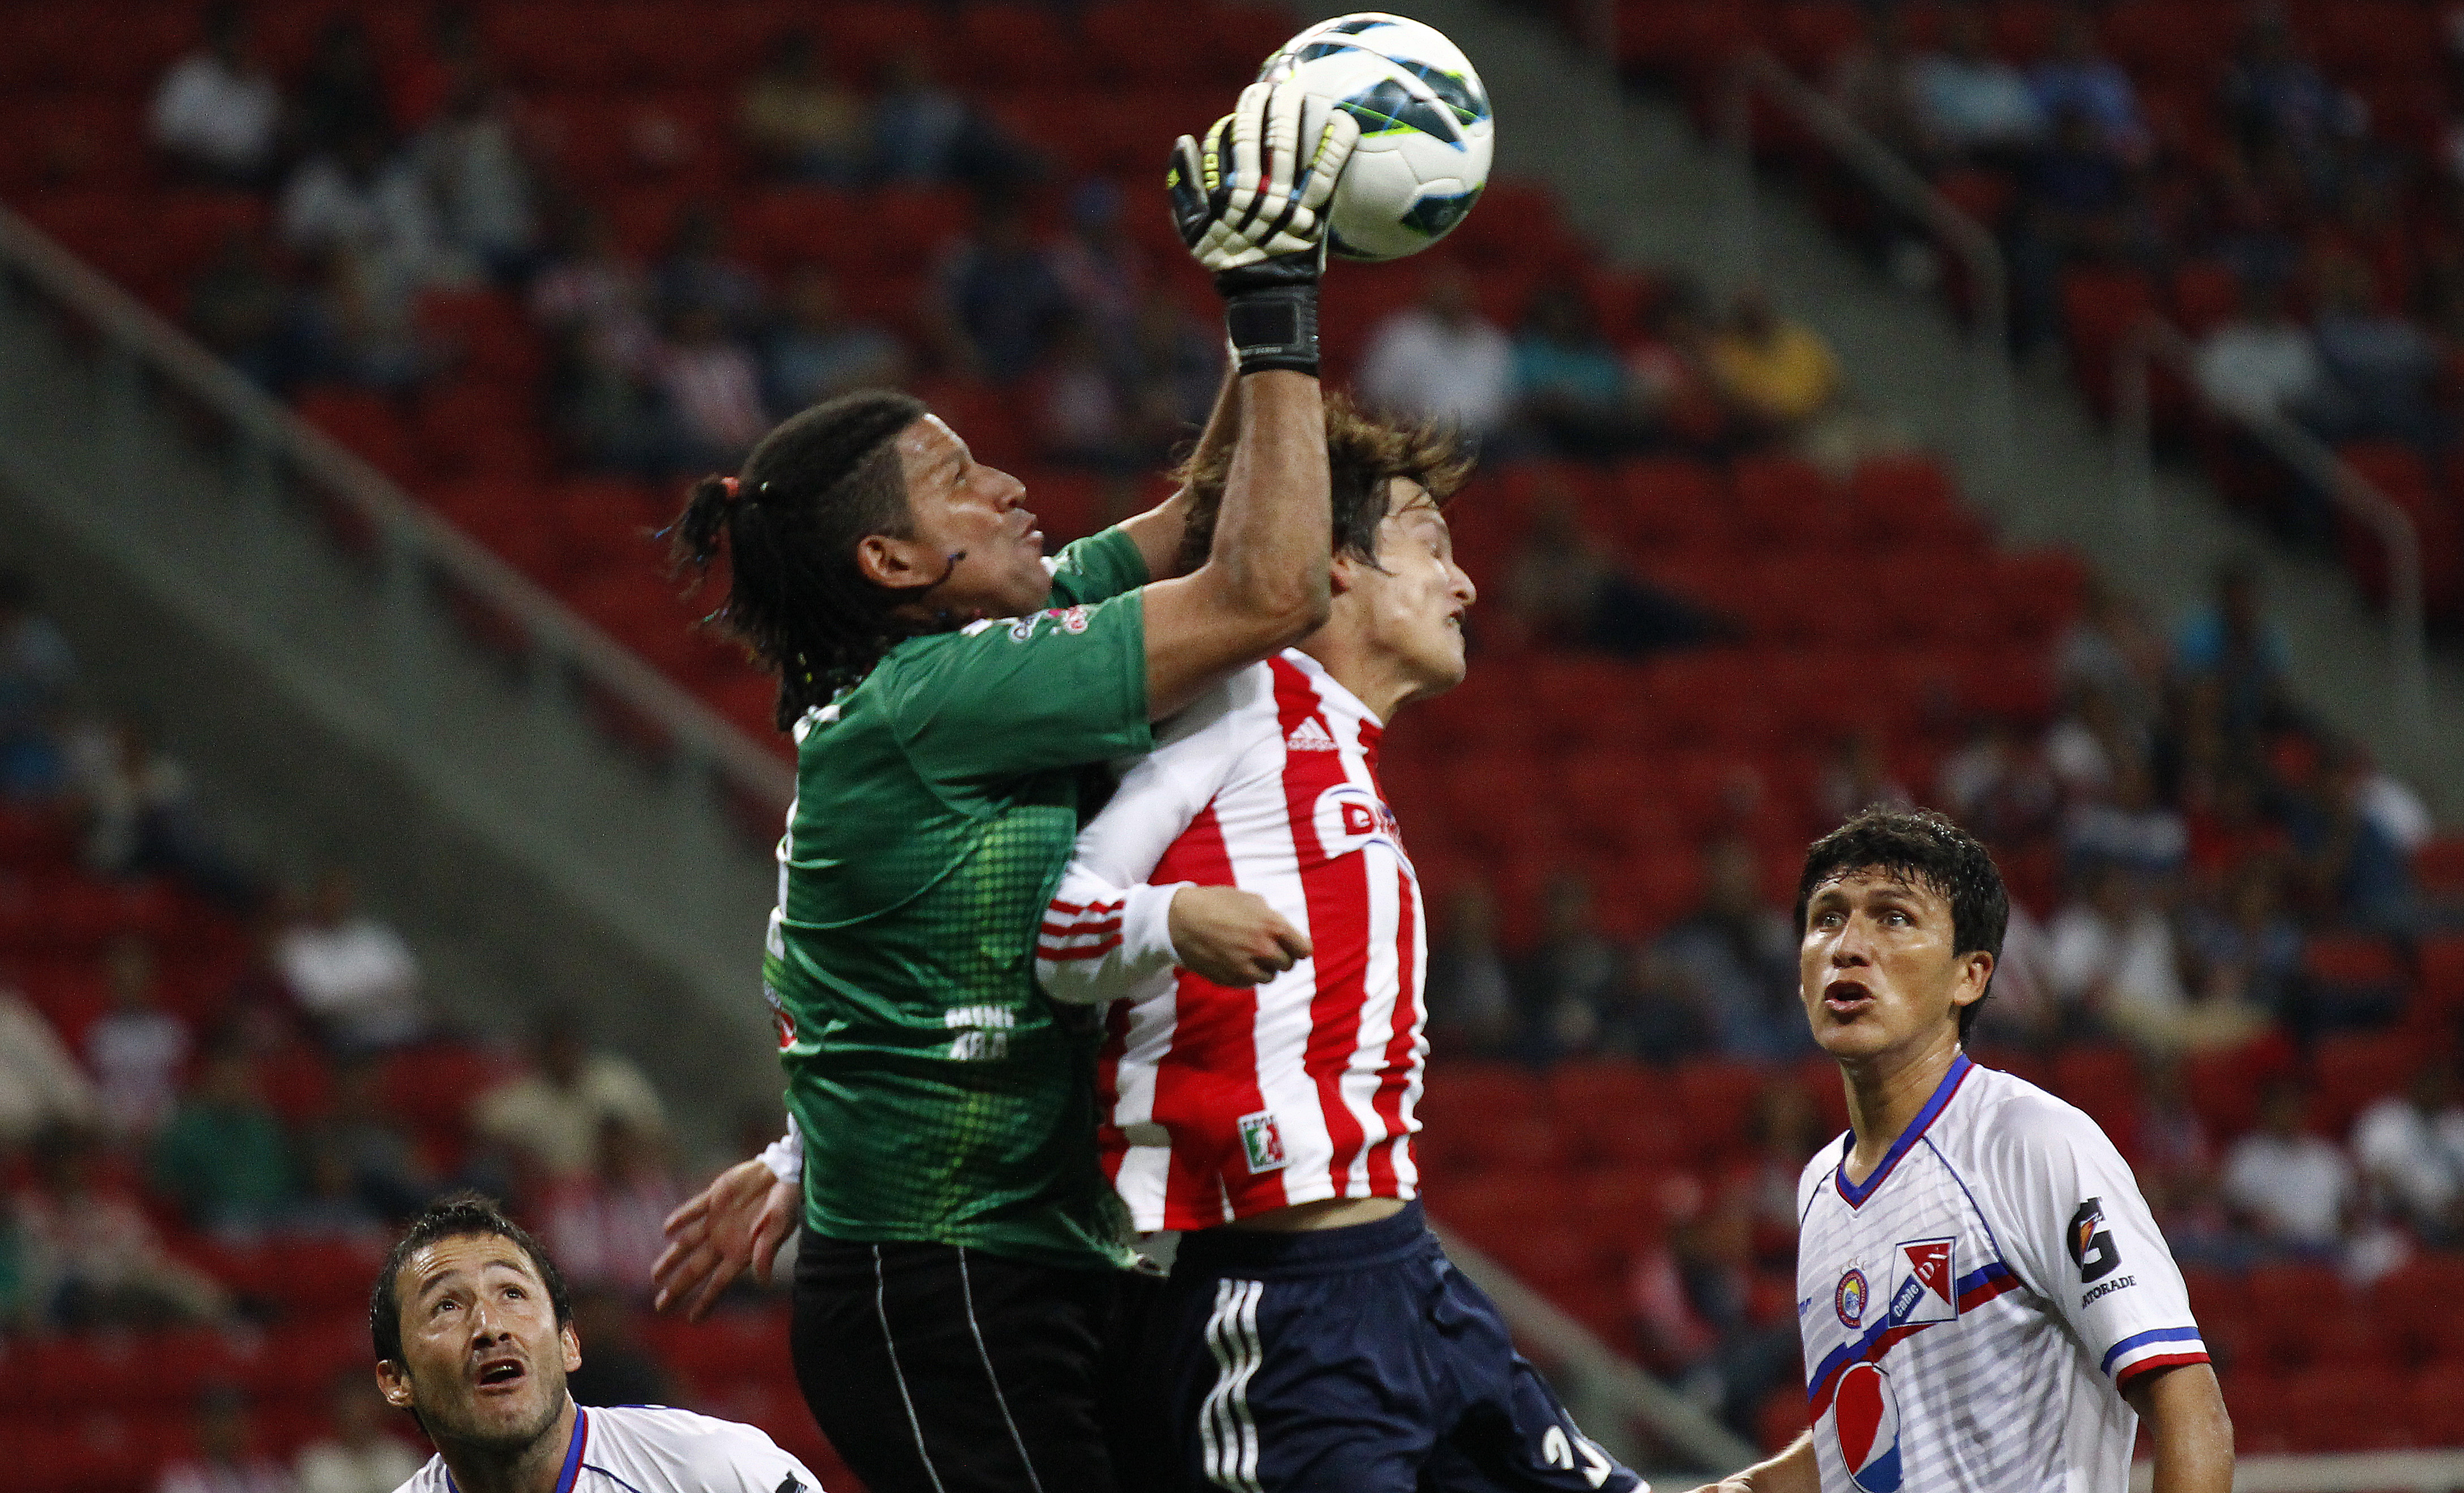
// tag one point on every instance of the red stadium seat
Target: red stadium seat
(1002, 43)
(1145, 43)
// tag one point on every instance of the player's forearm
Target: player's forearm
(2187, 1428)
(1792, 1471)
(1272, 538)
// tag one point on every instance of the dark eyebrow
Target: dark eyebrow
(438, 1276)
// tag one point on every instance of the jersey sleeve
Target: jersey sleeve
(1054, 689)
(1097, 568)
(1106, 935)
(735, 1457)
(2082, 1238)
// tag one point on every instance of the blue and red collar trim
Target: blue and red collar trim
(1855, 1194)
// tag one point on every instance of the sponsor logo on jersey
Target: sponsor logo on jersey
(1349, 815)
(781, 1017)
(981, 1032)
(2091, 1244)
(2119, 1283)
(1311, 737)
(1922, 1273)
(1849, 1300)
(1072, 619)
(1262, 1142)
(1866, 1414)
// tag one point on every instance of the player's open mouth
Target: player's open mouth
(497, 1374)
(1846, 998)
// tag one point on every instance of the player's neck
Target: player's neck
(528, 1469)
(1885, 1091)
(1376, 679)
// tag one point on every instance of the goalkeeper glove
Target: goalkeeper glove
(1251, 204)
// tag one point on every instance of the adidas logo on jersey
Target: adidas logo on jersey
(1310, 736)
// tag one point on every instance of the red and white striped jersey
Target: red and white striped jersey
(1217, 1103)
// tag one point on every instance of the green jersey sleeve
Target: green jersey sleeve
(1097, 568)
(1053, 689)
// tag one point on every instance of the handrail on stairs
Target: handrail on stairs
(2153, 340)
(1882, 169)
(414, 543)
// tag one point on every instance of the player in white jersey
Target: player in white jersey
(474, 1336)
(1985, 1301)
(1247, 902)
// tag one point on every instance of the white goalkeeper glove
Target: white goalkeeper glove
(1251, 204)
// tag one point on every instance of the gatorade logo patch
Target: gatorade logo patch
(1261, 1143)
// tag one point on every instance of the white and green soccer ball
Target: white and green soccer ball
(1425, 128)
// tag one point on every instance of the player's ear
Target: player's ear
(1975, 974)
(1343, 571)
(394, 1384)
(883, 561)
(572, 1341)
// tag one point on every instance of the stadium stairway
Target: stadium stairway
(339, 697)
(1636, 176)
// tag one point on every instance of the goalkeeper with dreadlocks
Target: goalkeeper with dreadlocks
(963, 1259)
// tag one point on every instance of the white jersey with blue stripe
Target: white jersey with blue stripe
(1972, 1311)
(653, 1449)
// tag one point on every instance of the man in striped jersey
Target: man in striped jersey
(1985, 1301)
(1246, 900)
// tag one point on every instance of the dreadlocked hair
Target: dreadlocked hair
(791, 521)
(1362, 455)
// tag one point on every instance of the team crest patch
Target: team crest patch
(1866, 1414)
(1849, 1300)
(1262, 1142)
(1923, 1271)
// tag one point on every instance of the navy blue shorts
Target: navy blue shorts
(1354, 1360)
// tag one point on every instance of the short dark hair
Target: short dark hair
(457, 1215)
(1924, 848)
(809, 494)
(1363, 454)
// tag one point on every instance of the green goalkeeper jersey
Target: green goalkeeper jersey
(942, 1097)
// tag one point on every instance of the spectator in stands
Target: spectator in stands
(92, 1258)
(605, 1227)
(550, 1117)
(710, 389)
(217, 114)
(2245, 953)
(1103, 272)
(815, 350)
(2174, 1155)
(469, 159)
(1695, 1307)
(142, 816)
(1470, 998)
(2350, 866)
(40, 1083)
(801, 125)
(357, 1452)
(926, 134)
(2078, 79)
(2262, 364)
(616, 1368)
(1998, 786)
(222, 1155)
(1876, 82)
(243, 313)
(2409, 1148)
(1739, 955)
(342, 95)
(997, 304)
(2113, 956)
(226, 1458)
(1655, 1011)
(1441, 359)
(2112, 650)
(2236, 645)
(1085, 413)
(2129, 827)
(1667, 369)
(2291, 1189)
(329, 1205)
(353, 323)
(1570, 970)
(1779, 378)
(1975, 104)
(136, 1049)
(2277, 100)
(37, 675)
(699, 274)
(1569, 381)
(1859, 776)
(389, 1170)
(1176, 363)
(364, 204)
(350, 971)
(2377, 368)
(1782, 1129)
(1567, 589)
(595, 305)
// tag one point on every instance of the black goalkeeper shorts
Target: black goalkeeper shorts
(934, 1369)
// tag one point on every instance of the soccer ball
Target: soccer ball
(1424, 128)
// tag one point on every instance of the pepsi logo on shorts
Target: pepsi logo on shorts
(1868, 1416)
